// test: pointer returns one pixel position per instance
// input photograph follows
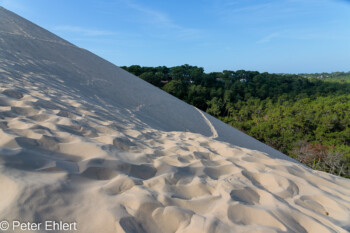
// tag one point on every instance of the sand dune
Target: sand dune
(83, 141)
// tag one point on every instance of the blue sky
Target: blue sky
(282, 36)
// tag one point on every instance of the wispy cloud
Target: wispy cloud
(152, 15)
(347, 1)
(13, 5)
(159, 19)
(83, 31)
(297, 34)
(235, 8)
(269, 37)
(252, 12)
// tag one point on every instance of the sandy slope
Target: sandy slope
(82, 140)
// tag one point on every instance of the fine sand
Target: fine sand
(83, 141)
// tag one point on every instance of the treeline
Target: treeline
(342, 77)
(327, 75)
(306, 118)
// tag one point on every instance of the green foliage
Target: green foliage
(152, 78)
(215, 106)
(304, 116)
(176, 88)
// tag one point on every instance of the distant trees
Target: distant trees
(215, 106)
(176, 88)
(152, 78)
(280, 110)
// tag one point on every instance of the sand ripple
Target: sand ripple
(76, 160)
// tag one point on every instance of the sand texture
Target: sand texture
(83, 141)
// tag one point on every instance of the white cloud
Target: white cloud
(268, 38)
(162, 20)
(298, 34)
(153, 16)
(12, 5)
(83, 31)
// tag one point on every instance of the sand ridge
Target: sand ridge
(212, 128)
